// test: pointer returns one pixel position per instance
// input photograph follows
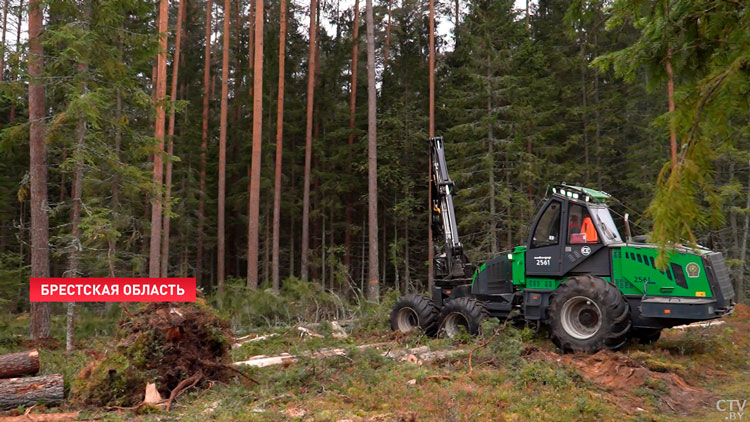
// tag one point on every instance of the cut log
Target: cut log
(286, 358)
(708, 324)
(47, 389)
(42, 417)
(416, 355)
(21, 363)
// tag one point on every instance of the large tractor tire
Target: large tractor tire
(413, 312)
(463, 312)
(646, 335)
(587, 314)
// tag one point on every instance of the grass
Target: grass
(505, 384)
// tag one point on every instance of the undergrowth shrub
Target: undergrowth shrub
(296, 302)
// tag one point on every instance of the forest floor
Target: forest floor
(507, 374)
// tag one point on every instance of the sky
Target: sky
(444, 23)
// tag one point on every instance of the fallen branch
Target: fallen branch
(185, 384)
(481, 346)
(229, 367)
(238, 342)
(341, 322)
(307, 332)
(437, 377)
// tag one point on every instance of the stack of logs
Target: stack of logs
(26, 391)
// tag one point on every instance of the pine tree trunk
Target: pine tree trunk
(384, 254)
(111, 241)
(308, 144)
(161, 92)
(323, 254)
(204, 145)
(396, 272)
(220, 249)
(373, 287)
(332, 244)
(21, 363)
(39, 318)
(743, 248)
(585, 111)
(386, 47)
(29, 391)
(407, 270)
(279, 147)
(267, 243)
(75, 246)
(458, 15)
(253, 223)
(528, 22)
(12, 116)
(5, 26)
(363, 258)
(352, 115)
(170, 148)
(431, 78)
(77, 196)
(251, 49)
(491, 152)
(597, 117)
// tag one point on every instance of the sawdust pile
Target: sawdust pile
(163, 343)
(625, 379)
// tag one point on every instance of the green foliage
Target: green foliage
(298, 301)
(707, 45)
(13, 280)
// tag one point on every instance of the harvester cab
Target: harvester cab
(573, 226)
(576, 274)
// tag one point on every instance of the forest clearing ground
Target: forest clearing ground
(518, 376)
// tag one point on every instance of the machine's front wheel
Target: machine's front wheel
(412, 312)
(462, 313)
(587, 314)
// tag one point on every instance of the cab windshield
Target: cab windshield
(606, 225)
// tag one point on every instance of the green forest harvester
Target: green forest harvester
(575, 274)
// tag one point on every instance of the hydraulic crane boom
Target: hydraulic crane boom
(451, 264)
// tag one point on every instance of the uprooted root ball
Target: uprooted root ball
(163, 343)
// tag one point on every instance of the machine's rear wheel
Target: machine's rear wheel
(646, 335)
(463, 312)
(412, 312)
(587, 314)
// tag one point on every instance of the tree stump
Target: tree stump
(47, 389)
(21, 363)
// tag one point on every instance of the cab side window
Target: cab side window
(581, 228)
(547, 232)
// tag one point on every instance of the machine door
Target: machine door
(543, 256)
(582, 243)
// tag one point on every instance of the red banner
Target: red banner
(70, 289)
